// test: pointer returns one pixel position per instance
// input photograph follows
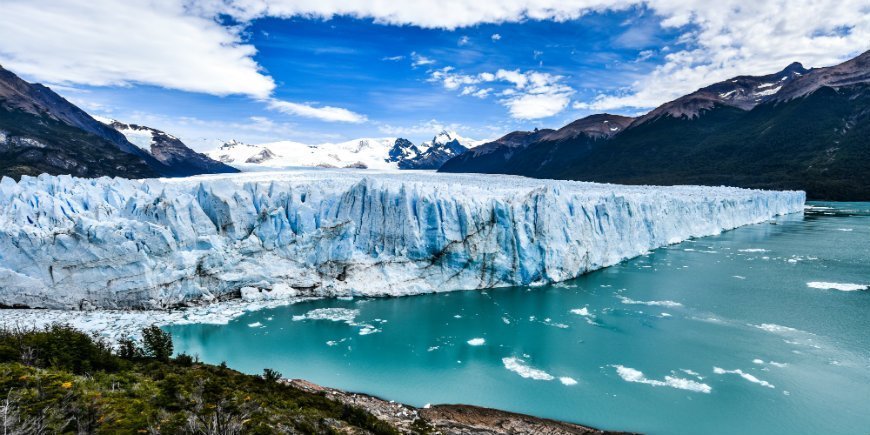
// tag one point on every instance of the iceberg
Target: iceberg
(74, 243)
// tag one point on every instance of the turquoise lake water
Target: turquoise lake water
(719, 335)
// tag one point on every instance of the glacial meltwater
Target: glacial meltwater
(763, 329)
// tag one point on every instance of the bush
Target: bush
(157, 343)
(127, 349)
(271, 375)
(184, 360)
(58, 346)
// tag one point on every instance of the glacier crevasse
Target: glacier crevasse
(115, 243)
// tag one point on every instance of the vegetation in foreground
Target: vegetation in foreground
(60, 380)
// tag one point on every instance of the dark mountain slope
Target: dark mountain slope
(819, 143)
(36, 99)
(529, 152)
(35, 144)
(795, 129)
(41, 132)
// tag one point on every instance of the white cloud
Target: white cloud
(426, 128)
(463, 41)
(495, 37)
(528, 95)
(105, 43)
(729, 38)
(393, 58)
(720, 39)
(324, 113)
(181, 45)
(420, 60)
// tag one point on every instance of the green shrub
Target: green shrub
(271, 375)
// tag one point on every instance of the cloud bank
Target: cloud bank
(183, 45)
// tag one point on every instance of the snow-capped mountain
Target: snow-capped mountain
(168, 149)
(742, 92)
(365, 153)
(443, 147)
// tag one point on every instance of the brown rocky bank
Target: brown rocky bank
(449, 419)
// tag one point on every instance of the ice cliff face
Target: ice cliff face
(76, 243)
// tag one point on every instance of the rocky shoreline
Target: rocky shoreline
(449, 419)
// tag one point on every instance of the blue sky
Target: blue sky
(294, 71)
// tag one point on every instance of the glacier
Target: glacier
(74, 243)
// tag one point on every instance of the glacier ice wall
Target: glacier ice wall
(78, 243)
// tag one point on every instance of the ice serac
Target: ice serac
(77, 243)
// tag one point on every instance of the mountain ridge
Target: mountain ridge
(42, 132)
(793, 129)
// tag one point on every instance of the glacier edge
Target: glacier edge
(75, 243)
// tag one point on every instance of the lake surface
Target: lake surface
(736, 333)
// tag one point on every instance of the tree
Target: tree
(158, 343)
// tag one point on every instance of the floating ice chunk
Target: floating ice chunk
(432, 348)
(255, 325)
(506, 320)
(629, 301)
(581, 311)
(744, 375)
(565, 380)
(629, 374)
(590, 318)
(692, 373)
(757, 361)
(345, 315)
(843, 287)
(476, 342)
(366, 330)
(520, 367)
(752, 250)
(665, 315)
(777, 329)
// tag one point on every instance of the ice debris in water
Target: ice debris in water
(744, 375)
(629, 374)
(843, 287)
(520, 367)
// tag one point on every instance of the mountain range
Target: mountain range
(366, 153)
(806, 129)
(41, 132)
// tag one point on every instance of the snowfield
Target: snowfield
(73, 243)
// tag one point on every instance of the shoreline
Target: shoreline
(450, 419)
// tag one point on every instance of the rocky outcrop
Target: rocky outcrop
(450, 419)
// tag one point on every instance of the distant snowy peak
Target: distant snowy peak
(358, 153)
(446, 136)
(372, 153)
(234, 152)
